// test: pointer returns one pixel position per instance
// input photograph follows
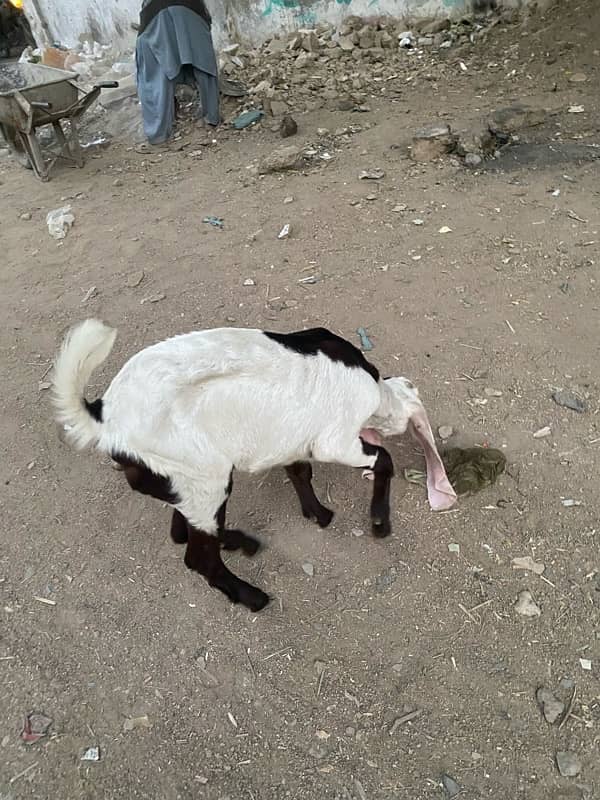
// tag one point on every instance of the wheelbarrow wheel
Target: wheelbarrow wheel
(9, 134)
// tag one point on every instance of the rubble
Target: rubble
(288, 127)
(281, 159)
(303, 70)
(510, 120)
(432, 142)
(340, 68)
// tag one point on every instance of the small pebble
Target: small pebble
(249, 282)
(526, 605)
(543, 432)
(26, 215)
(490, 392)
(527, 562)
(451, 787)
(445, 432)
(552, 708)
(568, 763)
(318, 751)
(308, 568)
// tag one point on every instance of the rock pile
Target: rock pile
(308, 69)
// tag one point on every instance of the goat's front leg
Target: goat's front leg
(383, 469)
(203, 555)
(300, 475)
(359, 453)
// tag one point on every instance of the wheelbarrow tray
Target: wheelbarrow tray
(35, 83)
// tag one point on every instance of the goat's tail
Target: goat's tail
(85, 347)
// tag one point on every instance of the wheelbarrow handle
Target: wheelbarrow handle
(107, 85)
(40, 104)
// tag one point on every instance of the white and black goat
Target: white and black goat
(181, 415)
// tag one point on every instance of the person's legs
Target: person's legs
(157, 95)
(208, 88)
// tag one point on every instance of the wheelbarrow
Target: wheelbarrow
(33, 95)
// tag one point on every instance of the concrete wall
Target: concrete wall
(109, 21)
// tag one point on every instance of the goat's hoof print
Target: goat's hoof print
(381, 528)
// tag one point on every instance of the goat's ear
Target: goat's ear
(439, 489)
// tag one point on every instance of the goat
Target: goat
(182, 414)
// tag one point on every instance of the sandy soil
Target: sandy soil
(307, 699)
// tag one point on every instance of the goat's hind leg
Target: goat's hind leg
(300, 475)
(179, 527)
(203, 555)
(232, 538)
(203, 506)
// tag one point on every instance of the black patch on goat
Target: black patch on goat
(320, 340)
(94, 409)
(143, 480)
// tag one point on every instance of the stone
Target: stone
(511, 119)
(473, 160)
(425, 41)
(279, 108)
(445, 432)
(451, 787)
(318, 751)
(568, 763)
(366, 38)
(288, 127)
(277, 46)
(310, 42)
(347, 43)
(432, 142)
(303, 61)
(346, 104)
(261, 88)
(526, 605)
(477, 140)
(434, 26)
(281, 159)
(26, 215)
(552, 708)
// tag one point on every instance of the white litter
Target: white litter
(60, 221)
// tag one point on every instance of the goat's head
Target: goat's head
(402, 409)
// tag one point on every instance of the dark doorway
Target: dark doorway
(15, 33)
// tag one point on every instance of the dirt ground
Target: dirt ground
(102, 623)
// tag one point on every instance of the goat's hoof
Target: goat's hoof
(381, 527)
(253, 598)
(250, 546)
(238, 540)
(179, 535)
(324, 517)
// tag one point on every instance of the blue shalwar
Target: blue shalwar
(175, 47)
